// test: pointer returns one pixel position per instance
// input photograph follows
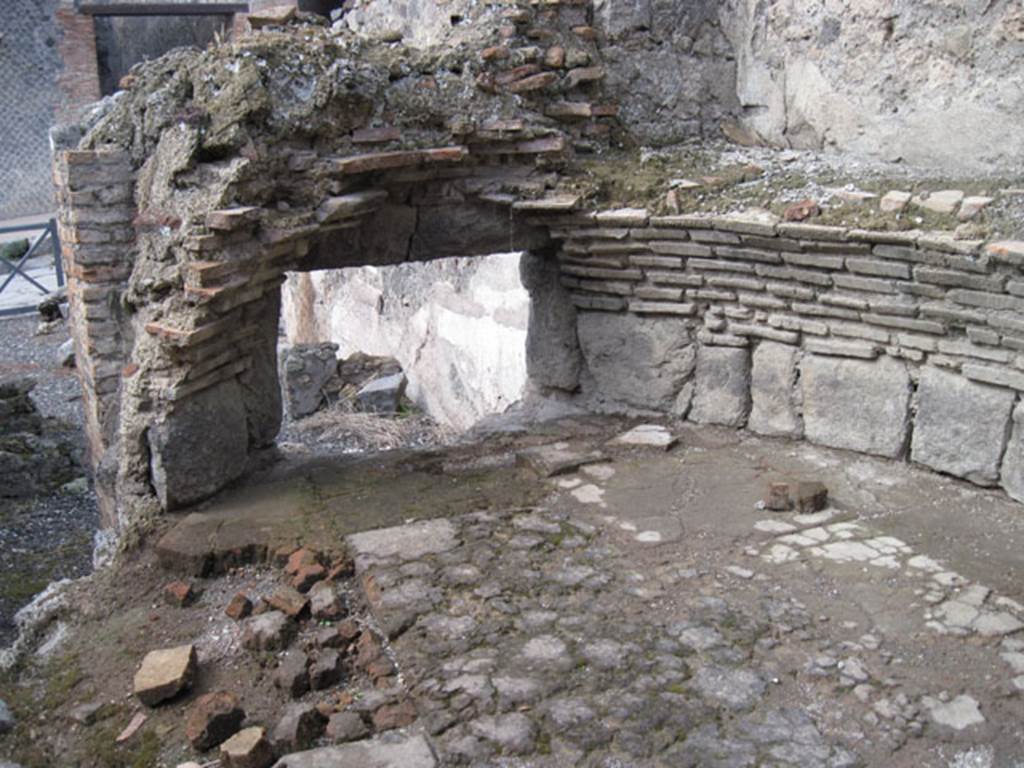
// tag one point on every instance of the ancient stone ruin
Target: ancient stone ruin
(747, 491)
(300, 147)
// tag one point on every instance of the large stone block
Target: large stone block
(635, 362)
(857, 405)
(774, 392)
(961, 426)
(553, 357)
(200, 446)
(307, 368)
(1011, 475)
(722, 392)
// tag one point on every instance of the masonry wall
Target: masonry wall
(902, 345)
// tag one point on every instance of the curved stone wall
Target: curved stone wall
(890, 343)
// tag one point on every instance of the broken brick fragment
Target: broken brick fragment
(801, 211)
(179, 593)
(300, 559)
(213, 719)
(391, 716)
(307, 576)
(289, 601)
(239, 607)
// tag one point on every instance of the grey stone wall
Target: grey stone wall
(937, 84)
(897, 344)
(29, 64)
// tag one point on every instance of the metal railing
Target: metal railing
(49, 232)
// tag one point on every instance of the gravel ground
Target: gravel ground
(48, 537)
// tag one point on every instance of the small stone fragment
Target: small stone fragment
(324, 602)
(239, 608)
(297, 729)
(391, 716)
(806, 497)
(293, 674)
(132, 728)
(164, 674)
(326, 670)
(368, 650)
(212, 719)
(962, 712)
(307, 576)
(299, 559)
(647, 435)
(894, 202)
(801, 211)
(179, 593)
(289, 601)
(271, 631)
(248, 748)
(346, 726)
(339, 635)
(275, 15)
(945, 201)
(972, 206)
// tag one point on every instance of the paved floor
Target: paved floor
(644, 610)
(558, 598)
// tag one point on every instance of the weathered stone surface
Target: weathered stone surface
(289, 601)
(346, 726)
(860, 406)
(292, 676)
(736, 689)
(722, 391)
(307, 368)
(1011, 474)
(407, 542)
(212, 719)
(270, 631)
(553, 358)
(558, 459)
(648, 436)
(326, 670)
(240, 607)
(179, 593)
(164, 674)
(248, 748)
(959, 713)
(409, 752)
(805, 497)
(325, 602)
(894, 201)
(773, 391)
(635, 362)
(512, 733)
(199, 446)
(383, 395)
(297, 729)
(961, 426)
(66, 354)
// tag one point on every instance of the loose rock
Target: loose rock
(213, 718)
(248, 748)
(164, 674)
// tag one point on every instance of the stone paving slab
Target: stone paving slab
(575, 633)
(408, 752)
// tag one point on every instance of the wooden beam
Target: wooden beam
(162, 9)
